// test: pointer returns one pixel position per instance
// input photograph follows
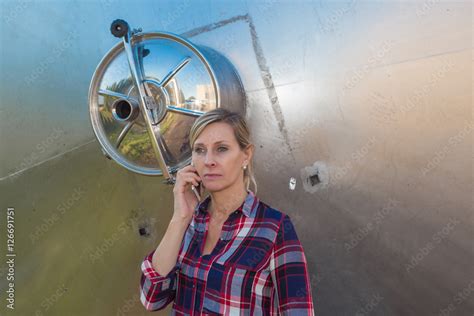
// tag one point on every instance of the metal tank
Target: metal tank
(361, 113)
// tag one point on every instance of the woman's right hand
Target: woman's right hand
(184, 199)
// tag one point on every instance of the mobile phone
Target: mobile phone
(196, 190)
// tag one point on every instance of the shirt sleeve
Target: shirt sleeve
(289, 272)
(156, 290)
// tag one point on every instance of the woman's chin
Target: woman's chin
(213, 187)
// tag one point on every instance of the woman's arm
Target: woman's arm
(165, 256)
(289, 272)
(159, 268)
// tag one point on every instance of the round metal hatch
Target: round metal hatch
(179, 82)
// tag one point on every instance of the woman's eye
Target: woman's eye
(200, 150)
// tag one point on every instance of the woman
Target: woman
(230, 254)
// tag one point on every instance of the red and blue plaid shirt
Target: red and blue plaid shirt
(258, 267)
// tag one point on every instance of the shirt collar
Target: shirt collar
(247, 206)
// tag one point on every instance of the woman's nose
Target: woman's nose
(209, 161)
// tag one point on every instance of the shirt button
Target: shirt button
(193, 286)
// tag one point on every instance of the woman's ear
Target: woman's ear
(249, 152)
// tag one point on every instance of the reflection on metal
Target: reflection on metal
(147, 92)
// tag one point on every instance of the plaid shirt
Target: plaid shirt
(258, 267)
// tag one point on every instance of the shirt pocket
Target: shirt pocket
(250, 254)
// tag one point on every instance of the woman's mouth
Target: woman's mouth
(211, 176)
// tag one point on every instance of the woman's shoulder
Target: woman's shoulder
(275, 224)
(265, 211)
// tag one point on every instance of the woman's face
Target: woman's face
(216, 151)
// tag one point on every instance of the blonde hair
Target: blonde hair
(241, 132)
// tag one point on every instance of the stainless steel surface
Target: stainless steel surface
(169, 85)
(361, 112)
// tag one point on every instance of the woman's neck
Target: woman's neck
(225, 202)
